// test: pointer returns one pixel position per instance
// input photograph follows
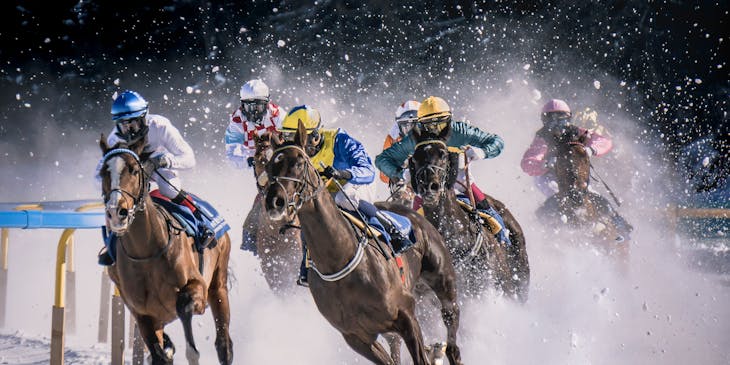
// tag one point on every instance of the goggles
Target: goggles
(435, 124)
(406, 122)
(254, 106)
(130, 126)
(556, 117)
(312, 136)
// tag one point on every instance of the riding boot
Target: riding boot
(496, 223)
(106, 256)
(398, 240)
(206, 233)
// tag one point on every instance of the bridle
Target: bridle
(137, 201)
(438, 171)
(298, 198)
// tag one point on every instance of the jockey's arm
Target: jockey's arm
(599, 144)
(389, 140)
(391, 160)
(236, 151)
(353, 154)
(182, 155)
(533, 161)
(463, 134)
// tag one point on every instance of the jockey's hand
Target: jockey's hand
(396, 185)
(250, 161)
(161, 161)
(473, 154)
(333, 173)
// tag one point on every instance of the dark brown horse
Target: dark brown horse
(156, 269)
(575, 206)
(279, 250)
(356, 287)
(480, 260)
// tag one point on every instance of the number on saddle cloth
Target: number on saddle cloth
(206, 218)
(491, 219)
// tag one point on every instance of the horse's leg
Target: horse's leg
(517, 251)
(160, 347)
(190, 300)
(219, 305)
(369, 348)
(394, 343)
(442, 280)
(410, 331)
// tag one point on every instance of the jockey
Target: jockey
(256, 115)
(539, 160)
(406, 117)
(434, 114)
(345, 160)
(170, 152)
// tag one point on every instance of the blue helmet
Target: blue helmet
(127, 105)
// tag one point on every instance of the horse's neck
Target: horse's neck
(447, 216)
(329, 237)
(147, 233)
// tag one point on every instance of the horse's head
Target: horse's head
(572, 165)
(433, 168)
(262, 156)
(291, 176)
(124, 183)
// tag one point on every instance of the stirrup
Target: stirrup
(302, 281)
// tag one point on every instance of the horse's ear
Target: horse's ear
(301, 137)
(275, 140)
(102, 144)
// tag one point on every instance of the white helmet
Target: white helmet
(255, 90)
(410, 105)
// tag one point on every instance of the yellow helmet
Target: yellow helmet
(308, 115)
(434, 115)
(433, 107)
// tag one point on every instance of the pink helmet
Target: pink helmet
(556, 105)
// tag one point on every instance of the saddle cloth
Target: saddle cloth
(194, 224)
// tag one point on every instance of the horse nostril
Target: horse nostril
(434, 186)
(123, 213)
(279, 202)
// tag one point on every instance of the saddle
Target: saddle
(195, 225)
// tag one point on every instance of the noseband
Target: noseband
(297, 199)
(438, 171)
(137, 201)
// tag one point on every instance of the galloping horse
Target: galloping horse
(279, 249)
(359, 289)
(479, 258)
(574, 204)
(156, 269)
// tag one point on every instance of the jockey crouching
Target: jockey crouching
(539, 159)
(170, 152)
(336, 155)
(433, 115)
(256, 115)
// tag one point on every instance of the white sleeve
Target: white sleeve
(183, 156)
(238, 155)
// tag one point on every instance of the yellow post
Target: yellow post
(3, 274)
(104, 304)
(70, 287)
(117, 329)
(57, 319)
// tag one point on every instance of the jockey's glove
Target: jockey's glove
(333, 173)
(250, 161)
(474, 153)
(161, 161)
(396, 185)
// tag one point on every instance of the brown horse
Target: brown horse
(156, 269)
(360, 290)
(479, 258)
(279, 249)
(575, 205)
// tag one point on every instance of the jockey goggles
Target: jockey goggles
(312, 136)
(251, 106)
(127, 127)
(556, 117)
(406, 122)
(434, 125)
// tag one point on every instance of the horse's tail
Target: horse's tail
(184, 308)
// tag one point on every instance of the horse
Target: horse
(574, 205)
(357, 286)
(156, 269)
(279, 249)
(481, 261)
